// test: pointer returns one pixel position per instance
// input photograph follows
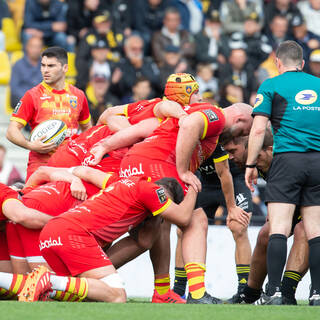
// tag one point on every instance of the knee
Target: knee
(199, 217)
(238, 230)
(263, 237)
(120, 296)
(299, 233)
(148, 233)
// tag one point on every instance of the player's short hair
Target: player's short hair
(173, 187)
(171, 10)
(56, 52)
(290, 53)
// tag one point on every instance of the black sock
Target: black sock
(289, 283)
(276, 259)
(314, 264)
(251, 295)
(243, 274)
(180, 281)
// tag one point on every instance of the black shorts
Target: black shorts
(294, 178)
(211, 196)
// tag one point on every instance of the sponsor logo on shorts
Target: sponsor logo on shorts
(211, 115)
(16, 109)
(50, 243)
(259, 100)
(242, 201)
(306, 97)
(161, 195)
(134, 171)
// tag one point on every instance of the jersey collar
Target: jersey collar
(47, 87)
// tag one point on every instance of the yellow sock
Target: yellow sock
(76, 290)
(17, 284)
(195, 273)
(162, 283)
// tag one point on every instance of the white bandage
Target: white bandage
(114, 281)
(70, 170)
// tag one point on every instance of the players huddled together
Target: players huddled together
(144, 166)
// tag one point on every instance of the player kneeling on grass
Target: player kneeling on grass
(70, 249)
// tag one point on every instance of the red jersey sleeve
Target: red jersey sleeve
(214, 122)
(84, 116)
(6, 194)
(153, 197)
(24, 110)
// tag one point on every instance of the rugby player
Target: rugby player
(53, 98)
(223, 186)
(297, 263)
(171, 151)
(69, 247)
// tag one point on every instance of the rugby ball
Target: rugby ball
(53, 130)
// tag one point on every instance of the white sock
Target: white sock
(5, 280)
(58, 282)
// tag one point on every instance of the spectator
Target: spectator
(135, 65)
(230, 93)
(311, 14)
(307, 39)
(284, 8)
(148, 18)
(174, 63)
(26, 72)
(239, 72)
(210, 97)
(208, 40)
(205, 78)
(233, 14)
(9, 174)
(79, 16)
(277, 31)
(170, 34)
(213, 5)
(99, 96)
(268, 68)
(314, 63)
(46, 19)
(101, 30)
(256, 44)
(141, 90)
(122, 16)
(191, 14)
(4, 13)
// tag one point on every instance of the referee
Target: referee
(290, 101)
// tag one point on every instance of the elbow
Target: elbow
(184, 222)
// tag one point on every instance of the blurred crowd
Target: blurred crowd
(124, 50)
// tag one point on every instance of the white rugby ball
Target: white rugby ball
(54, 131)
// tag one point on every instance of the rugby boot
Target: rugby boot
(169, 297)
(314, 300)
(238, 297)
(36, 286)
(206, 299)
(275, 299)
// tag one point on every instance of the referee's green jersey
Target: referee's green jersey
(292, 103)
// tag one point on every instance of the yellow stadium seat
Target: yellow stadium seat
(8, 107)
(5, 68)
(16, 8)
(15, 56)
(11, 36)
(72, 71)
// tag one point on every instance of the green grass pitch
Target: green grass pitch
(136, 310)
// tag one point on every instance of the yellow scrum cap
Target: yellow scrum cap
(180, 87)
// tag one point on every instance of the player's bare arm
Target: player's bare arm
(14, 134)
(115, 118)
(234, 212)
(166, 108)
(50, 174)
(17, 212)
(180, 214)
(189, 135)
(255, 143)
(123, 138)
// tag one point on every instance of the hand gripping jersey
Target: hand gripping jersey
(44, 103)
(161, 145)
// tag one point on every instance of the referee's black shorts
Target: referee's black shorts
(294, 177)
(211, 196)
